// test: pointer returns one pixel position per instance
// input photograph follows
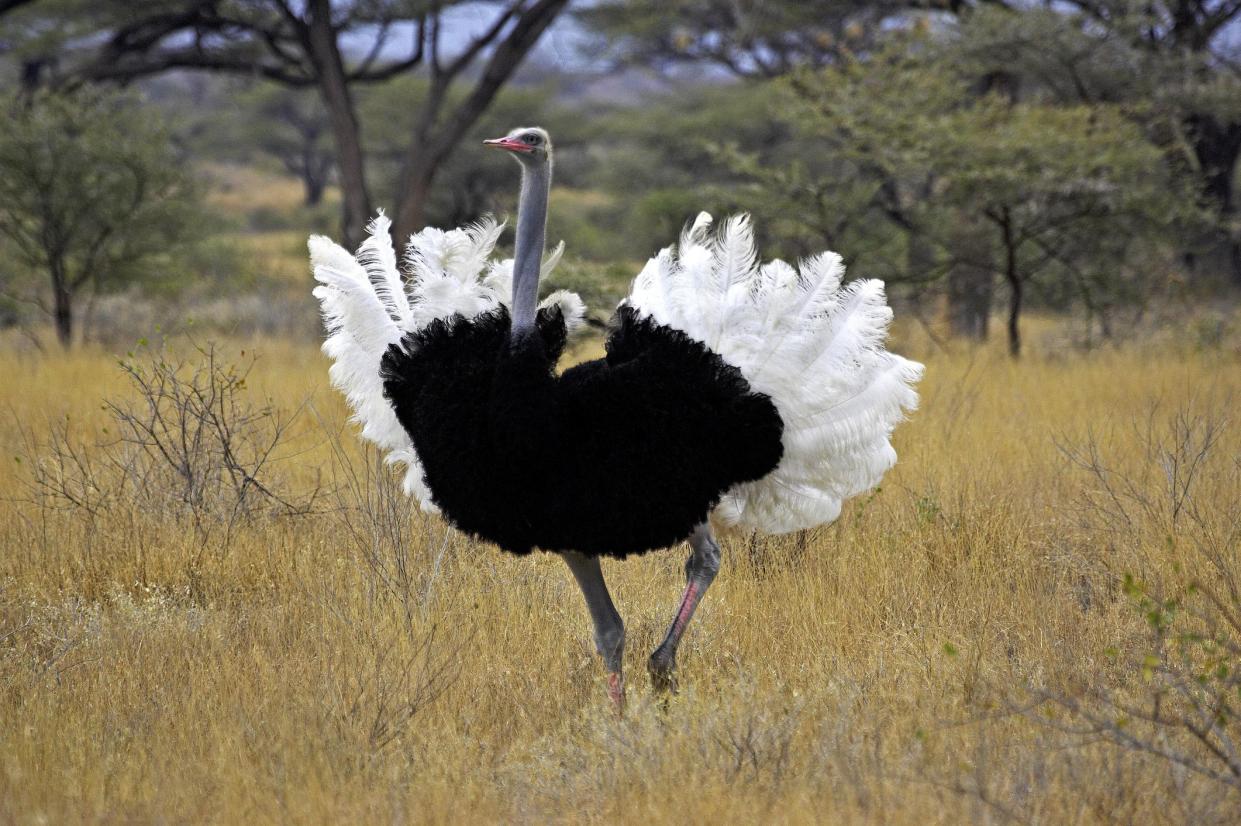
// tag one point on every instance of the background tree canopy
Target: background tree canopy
(91, 197)
(979, 157)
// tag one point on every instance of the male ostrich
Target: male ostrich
(758, 396)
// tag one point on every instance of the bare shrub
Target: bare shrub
(1186, 708)
(39, 644)
(392, 665)
(387, 661)
(1160, 492)
(385, 675)
(1179, 698)
(402, 549)
(184, 443)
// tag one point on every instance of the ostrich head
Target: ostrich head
(530, 145)
(532, 148)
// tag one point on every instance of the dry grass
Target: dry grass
(242, 188)
(364, 664)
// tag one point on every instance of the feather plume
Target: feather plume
(378, 258)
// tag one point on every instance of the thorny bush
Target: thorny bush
(1182, 701)
(185, 442)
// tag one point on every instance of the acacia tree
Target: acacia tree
(1067, 192)
(752, 39)
(1059, 195)
(90, 195)
(300, 44)
(1173, 65)
(1176, 63)
(1192, 54)
(762, 41)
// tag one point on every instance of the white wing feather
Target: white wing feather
(368, 303)
(815, 347)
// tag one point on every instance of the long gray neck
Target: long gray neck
(536, 181)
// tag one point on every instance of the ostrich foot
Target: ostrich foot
(662, 669)
(616, 692)
(609, 629)
(700, 571)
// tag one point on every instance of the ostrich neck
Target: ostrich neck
(536, 181)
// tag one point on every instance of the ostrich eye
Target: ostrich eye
(531, 139)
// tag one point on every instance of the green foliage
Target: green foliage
(1061, 146)
(601, 286)
(1136, 57)
(1172, 66)
(92, 195)
(1083, 150)
(749, 39)
(900, 149)
(1192, 667)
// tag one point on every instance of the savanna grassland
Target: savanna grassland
(976, 640)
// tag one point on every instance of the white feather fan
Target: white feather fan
(815, 347)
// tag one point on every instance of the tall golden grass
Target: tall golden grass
(934, 656)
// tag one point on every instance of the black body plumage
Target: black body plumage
(615, 456)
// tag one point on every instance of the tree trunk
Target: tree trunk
(346, 131)
(62, 308)
(314, 178)
(411, 212)
(971, 277)
(313, 190)
(32, 74)
(435, 138)
(1013, 276)
(1217, 147)
(1014, 315)
(919, 258)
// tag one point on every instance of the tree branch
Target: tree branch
(503, 62)
(191, 59)
(363, 74)
(11, 5)
(381, 38)
(482, 41)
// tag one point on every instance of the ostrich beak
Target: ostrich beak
(510, 144)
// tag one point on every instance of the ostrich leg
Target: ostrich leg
(609, 630)
(700, 570)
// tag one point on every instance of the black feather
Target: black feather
(615, 456)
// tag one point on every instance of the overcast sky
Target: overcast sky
(565, 45)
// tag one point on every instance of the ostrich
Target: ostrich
(736, 394)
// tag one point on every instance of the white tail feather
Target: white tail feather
(378, 257)
(814, 347)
